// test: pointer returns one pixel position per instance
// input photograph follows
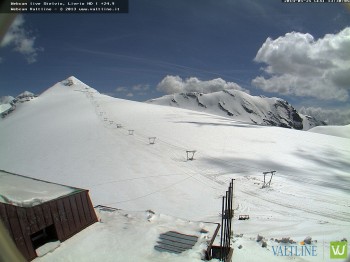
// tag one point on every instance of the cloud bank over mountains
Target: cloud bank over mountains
(175, 84)
(330, 116)
(300, 65)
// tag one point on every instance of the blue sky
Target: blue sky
(188, 43)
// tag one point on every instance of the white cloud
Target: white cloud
(175, 84)
(121, 89)
(297, 64)
(140, 87)
(21, 40)
(331, 116)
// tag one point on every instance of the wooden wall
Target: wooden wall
(69, 214)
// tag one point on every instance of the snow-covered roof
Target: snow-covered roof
(72, 81)
(27, 192)
(4, 107)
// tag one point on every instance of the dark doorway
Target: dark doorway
(40, 238)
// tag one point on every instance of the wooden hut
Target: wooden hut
(36, 212)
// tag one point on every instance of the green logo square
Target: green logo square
(339, 249)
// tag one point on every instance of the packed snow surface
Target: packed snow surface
(73, 135)
(341, 131)
(131, 236)
(48, 247)
(25, 192)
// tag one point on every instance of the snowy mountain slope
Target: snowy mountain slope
(241, 106)
(69, 135)
(8, 103)
(63, 121)
(4, 107)
(311, 122)
(6, 99)
(340, 131)
(25, 95)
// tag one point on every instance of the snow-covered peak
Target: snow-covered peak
(25, 94)
(310, 122)
(6, 105)
(4, 108)
(75, 84)
(6, 99)
(239, 106)
(72, 80)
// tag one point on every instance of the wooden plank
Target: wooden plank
(22, 216)
(80, 210)
(63, 218)
(17, 232)
(91, 207)
(75, 212)
(56, 219)
(26, 230)
(32, 220)
(4, 219)
(86, 208)
(208, 253)
(70, 219)
(47, 214)
(39, 217)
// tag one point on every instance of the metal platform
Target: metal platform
(175, 242)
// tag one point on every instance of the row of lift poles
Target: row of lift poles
(152, 140)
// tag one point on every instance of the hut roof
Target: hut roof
(27, 192)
